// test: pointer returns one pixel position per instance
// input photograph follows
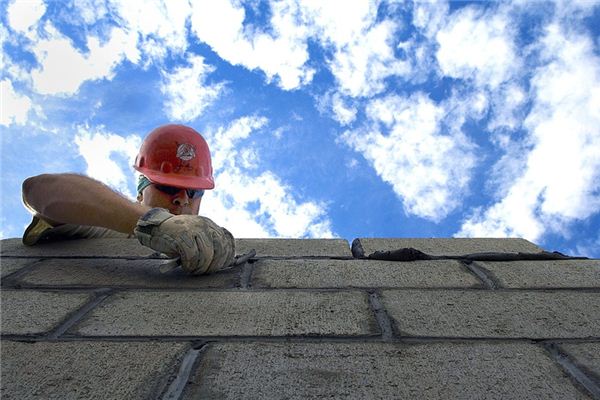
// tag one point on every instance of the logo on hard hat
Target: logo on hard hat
(186, 152)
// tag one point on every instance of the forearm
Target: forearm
(77, 199)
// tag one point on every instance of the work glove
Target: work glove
(202, 245)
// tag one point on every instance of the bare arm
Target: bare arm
(78, 199)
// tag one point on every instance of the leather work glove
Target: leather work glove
(202, 245)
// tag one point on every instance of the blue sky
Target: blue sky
(325, 118)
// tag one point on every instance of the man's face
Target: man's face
(178, 204)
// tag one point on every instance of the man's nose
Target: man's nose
(182, 198)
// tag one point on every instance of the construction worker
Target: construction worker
(175, 167)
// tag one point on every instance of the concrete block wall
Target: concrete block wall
(302, 319)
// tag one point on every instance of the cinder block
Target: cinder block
(78, 248)
(485, 313)
(445, 247)
(122, 273)
(131, 248)
(360, 273)
(546, 274)
(87, 370)
(34, 312)
(378, 371)
(10, 265)
(586, 355)
(294, 247)
(231, 313)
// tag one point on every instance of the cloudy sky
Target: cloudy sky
(325, 118)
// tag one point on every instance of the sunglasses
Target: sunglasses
(172, 191)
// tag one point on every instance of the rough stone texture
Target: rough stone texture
(10, 265)
(90, 370)
(122, 273)
(379, 371)
(232, 313)
(586, 355)
(360, 273)
(546, 274)
(78, 248)
(450, 247)
(479, 313)
(131, 248)
(33, 312)
(294, 247)
(303, 320)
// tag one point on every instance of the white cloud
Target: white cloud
(109, 157)
(363, 49)
(187, 94)
(63, 68)
(256, 204)
(343, 113)
(281, 53)
(406, 144)
(560, 178)
(429, 16)
(13, 106)
(161, 25)
(89, 11)
(478, 47)
(24, 14)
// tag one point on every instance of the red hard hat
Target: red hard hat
(176, 155)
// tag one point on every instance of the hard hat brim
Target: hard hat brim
(180, 181)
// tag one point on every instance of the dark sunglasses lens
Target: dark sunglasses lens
(170, 190)
(195, 193)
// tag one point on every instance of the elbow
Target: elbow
(31, 190)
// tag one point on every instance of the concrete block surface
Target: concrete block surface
(294, 247)
(78, 248)
(378, 371)
(230, 313)
(122, 273)
(10, 265)
(586, 355)
(486, 313)
(87, 370)
(360, 273)
(546, 274)
(33, 312)
(445, 246)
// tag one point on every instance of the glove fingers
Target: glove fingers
(196, 256)
(224, 250)
(164, 244)
(203, 252)
(219, 256)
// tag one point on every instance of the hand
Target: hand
(202, 245)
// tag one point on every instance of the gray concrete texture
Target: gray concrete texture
(231, 313)
(294, 247)
(361, 273)
(27, 312)
(449, 247)
(379, 371)
(121, 273)
(503, 314)
(10, 265)
(87, 370)
(132, 248)
(78, 248)
(546, 274)
(585, 355)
